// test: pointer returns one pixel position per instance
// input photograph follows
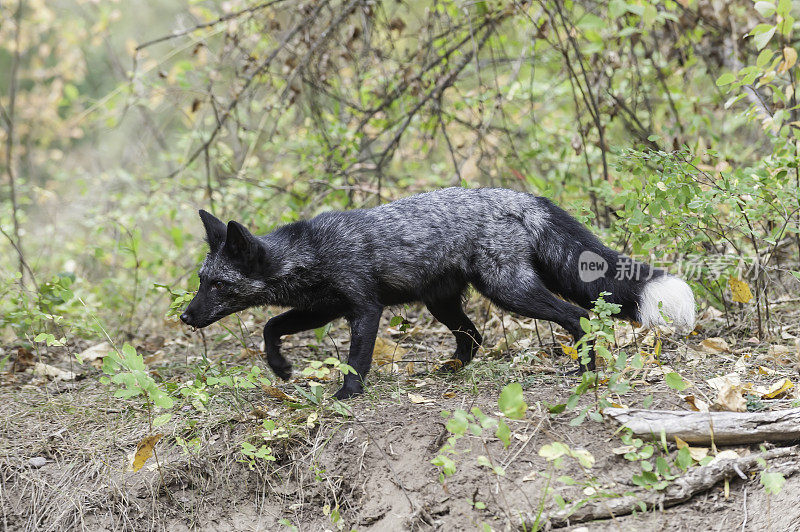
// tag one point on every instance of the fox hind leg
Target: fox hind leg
(449, 312)
(524, 293)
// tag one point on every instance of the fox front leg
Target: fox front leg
(363, 330)
(290, 322)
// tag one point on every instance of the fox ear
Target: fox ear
(240, 243)
(215, 230)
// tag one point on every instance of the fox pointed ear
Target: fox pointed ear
(215, 230)
(240, 243)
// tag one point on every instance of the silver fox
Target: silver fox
(519, 250)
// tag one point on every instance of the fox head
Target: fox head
(234, 275)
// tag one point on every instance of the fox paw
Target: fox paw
(284, 372)
(346, 393)
(450, 366)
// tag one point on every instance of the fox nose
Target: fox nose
(185, 318)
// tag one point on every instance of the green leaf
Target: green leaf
(762, 39)
(766, 9)
(484, 461)
(551, 451)
(511, 401)
(684, 459)
(772, 482)
(447, 464)
(617, 8)
(649, 15)
(503, 433)
(763, 58)
(458, 423)
(675, 381)
(584, 457)
(786, 26)
(590, 21)
(162, 419)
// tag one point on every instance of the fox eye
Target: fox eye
(217, 284)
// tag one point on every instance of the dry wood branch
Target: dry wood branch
(682, 489)
(9, 116)
(204, 25)
(724, 428)
(231, 107)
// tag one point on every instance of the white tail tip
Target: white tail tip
(676, 299)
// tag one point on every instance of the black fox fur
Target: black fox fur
(519, 250)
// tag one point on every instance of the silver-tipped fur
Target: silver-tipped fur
(677, 303)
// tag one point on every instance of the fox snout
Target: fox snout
(189, 319)
(186, 318)
(196, 314)
(193, 320)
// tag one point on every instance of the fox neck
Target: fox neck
(293, 281)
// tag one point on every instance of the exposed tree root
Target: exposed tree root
(682, 489)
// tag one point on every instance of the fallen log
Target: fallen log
(724, 428)
(696, 481)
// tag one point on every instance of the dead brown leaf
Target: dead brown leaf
(144, 450)
(277, 393)
(453, 364)
(714, 345)
(729, 393)
(386, 355)
(96, 352)
(52, 372)
(697, 405)
(23, 360)
(418, 399)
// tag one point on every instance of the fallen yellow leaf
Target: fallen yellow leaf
(144, 450)
(698, 453)
(741, 292)
(778, 389)
(570, 351)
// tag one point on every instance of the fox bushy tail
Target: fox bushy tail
(576, 265)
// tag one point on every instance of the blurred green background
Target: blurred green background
(670, 127)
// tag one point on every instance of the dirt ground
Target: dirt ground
(66, 441)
